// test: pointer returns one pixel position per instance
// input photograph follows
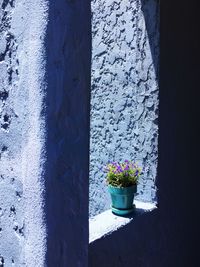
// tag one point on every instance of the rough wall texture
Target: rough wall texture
(44, 134)
(22, 231)
(124, 93)
(169, 235)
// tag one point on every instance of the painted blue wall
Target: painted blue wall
(22, 228)
(68, 97)
(124, 94)
(168, 236)
(45, 71)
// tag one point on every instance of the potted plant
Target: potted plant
(122, 179)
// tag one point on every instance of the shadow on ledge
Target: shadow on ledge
(107, 222)
(134, 214)
(146, 240)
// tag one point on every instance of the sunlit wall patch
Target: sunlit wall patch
(124, 94)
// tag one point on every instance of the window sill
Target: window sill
(105, 223)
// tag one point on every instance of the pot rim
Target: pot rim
(122, 190)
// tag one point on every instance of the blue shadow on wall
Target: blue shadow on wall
(167, 236)
(68, 53)
(150, 9)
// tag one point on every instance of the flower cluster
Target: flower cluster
(122, 174)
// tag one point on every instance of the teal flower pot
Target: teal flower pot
(122, 199)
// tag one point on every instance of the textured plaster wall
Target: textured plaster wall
(44, 132)
(169, 235)
(22, 231)
(124, 93)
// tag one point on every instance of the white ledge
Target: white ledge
(105, 223)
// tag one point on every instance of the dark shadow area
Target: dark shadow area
(151, 14)
(142, 242)
(169, 235)
(134, 214)
(68, 51)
